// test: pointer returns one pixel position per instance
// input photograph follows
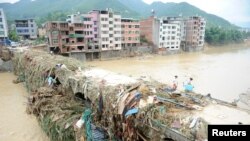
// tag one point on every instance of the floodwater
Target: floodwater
(15, 124)
(223, 72)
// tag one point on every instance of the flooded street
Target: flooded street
(15, 124)
(222, 72)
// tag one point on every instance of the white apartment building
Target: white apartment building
(110, 30)
(3, 26)
(170, 33)
(26, 28)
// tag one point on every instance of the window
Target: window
(173, 27)
(55, 41)
(31, 25)
(1, 19)
(129, 26)
(164, 27)
(1, 32)
(173, 38)
(137, 26)
(95, 22)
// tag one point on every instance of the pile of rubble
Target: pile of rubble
(79, 106)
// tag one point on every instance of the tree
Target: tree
(220, 36)
(13, 35)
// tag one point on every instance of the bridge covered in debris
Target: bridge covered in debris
(74, 102)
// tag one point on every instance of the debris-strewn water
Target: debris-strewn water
(15, 124)
(224, 72)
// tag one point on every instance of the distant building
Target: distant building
(130, 30)
(26, 28)
(170, 33)
(194, 27)
(149, 30)
(102, 28)
(3, 27)
(64, 37)
(173, 33)
(110, 30)
(91, 29)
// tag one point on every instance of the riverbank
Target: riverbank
(15, 123)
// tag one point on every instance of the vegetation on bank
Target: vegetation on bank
(221, 36)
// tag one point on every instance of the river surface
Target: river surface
(15, 124)
(223, 72)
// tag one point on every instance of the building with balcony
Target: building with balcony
(3, 27)
(130, 30)
(170, 33)
(194, 27)
(64, 37)
(26, 28)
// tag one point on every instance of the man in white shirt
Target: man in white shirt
(175, 83)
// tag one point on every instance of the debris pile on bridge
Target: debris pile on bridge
(141, 110)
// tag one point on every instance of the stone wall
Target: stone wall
(6, 65)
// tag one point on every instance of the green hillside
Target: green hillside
(175, 9)
(44, 10)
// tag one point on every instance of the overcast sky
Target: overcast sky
(236, 11)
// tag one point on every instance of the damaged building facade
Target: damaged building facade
(95, 35)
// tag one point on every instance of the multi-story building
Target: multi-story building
(91, 29)
(170, 33)
(64, 37)
(173, 33)
(149, 30)
(3, 27)
(102, 28)
(194, 33)
(109, 30)
(130, 33)
(26, 28)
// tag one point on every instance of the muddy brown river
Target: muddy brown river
(15, 124)
(223, 72)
